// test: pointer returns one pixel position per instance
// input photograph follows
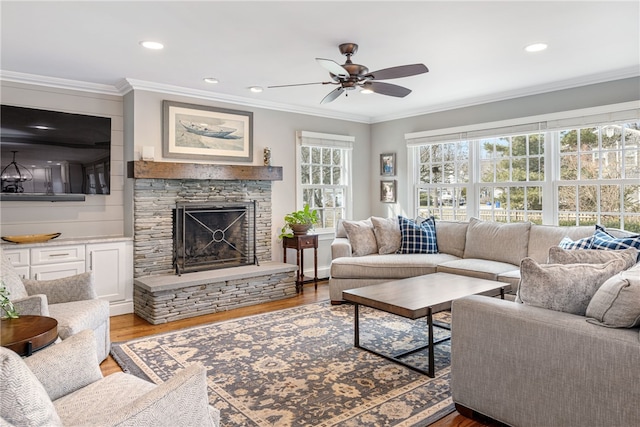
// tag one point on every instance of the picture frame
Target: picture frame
(388, 191)
(202, 132)
(388, 164)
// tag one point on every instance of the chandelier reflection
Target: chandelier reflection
(13, 175)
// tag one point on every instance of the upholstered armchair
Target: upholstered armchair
(72, 301)
(62, 385)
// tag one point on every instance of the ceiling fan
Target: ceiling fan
(350, 76)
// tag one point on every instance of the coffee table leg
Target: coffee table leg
(432, 356)
(356, 325)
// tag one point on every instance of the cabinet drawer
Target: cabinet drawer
(307, 241)
(57, 254)
(57, 271)
(18, 257)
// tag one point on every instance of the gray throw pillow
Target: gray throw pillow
(23, 400)
(563, 287)
(617, 303)
(387, 232)
(557, 255)
(361, 237)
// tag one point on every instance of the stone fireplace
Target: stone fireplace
(249, 276)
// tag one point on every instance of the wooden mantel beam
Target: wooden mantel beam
(170, 170)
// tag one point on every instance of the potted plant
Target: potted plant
(6, 305)
(299, 222)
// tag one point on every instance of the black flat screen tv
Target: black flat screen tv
(53, 155)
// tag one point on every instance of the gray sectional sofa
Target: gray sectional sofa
(475, 248)
(565, 353)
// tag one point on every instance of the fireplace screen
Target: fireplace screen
(208, 237)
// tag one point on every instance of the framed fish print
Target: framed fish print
(202, 132)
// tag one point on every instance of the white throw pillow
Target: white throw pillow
(387, 233)
(361, 237)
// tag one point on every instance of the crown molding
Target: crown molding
(132, 84)
(55, 82)
(518, 93)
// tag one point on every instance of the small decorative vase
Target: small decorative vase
(300, 229)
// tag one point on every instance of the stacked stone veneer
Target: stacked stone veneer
(155, 199)
(162, 299)
(159, 294)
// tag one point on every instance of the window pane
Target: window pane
(567, 198)
(589, 139)
(610, 221)
(304, 152)
(516, 198)
(425, 174)
(569, 167)
(610, 198)
(632, 223)
(326, 156)
(316, 154)
(519, 172)
(425, 154)
(588, 198)
(486, 171)
(304, 172)
(536, 169)
(534, 199)
(632, 198)
(337, 157)
(337, 176)
(568, 141)
(632, 163)
(316, 173)
(326, 175)
(589, 166)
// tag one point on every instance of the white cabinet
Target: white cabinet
(109, 265)
(111, 262)
(54, 262)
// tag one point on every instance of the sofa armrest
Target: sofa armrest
(35, 305)
(340, 247)
(66, 289)
(530, 366)
(68, 366)
(180, 401)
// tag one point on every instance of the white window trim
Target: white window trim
(316, 139)
(628, 111)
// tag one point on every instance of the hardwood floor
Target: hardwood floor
(129, 326)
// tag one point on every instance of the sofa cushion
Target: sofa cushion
(542, 237)
(361, 237)
(388, 236)
(391, 266)
(11, 280)
(497, 241)
(616, 304)
(511, 277)
(557, 255)
(563, 287)
(480, 268)
(75, 316)
(418, 238)
(23, 400)
(451, 237)
(584, 243)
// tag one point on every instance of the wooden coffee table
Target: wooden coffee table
(418, 297)
(27, 334)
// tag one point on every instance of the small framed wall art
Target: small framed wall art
(388, 164)
(388, 191)
(203, 132)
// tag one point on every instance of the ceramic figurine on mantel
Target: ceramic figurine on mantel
(267, 156)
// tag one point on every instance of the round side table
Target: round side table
(27, 334)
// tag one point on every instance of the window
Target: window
(324, 174)
(545, 172)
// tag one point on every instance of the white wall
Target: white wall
(387, 137)
(98, 215)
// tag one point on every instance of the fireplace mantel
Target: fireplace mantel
(171, 170)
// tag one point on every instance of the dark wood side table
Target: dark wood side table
(300, 243)
(27, 334)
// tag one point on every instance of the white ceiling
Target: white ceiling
(474, 49)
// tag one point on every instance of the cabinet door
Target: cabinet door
(19, 258)
(56, 271)
(109, 266)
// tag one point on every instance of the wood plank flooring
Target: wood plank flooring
(129, 326)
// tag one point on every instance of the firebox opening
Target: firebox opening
(213, 236)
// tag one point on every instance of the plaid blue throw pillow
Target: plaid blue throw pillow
(584, 243)
(417, 238)
(603, 240)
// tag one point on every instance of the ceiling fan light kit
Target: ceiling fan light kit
(350, 76)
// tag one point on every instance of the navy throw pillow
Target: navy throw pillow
(418, 238)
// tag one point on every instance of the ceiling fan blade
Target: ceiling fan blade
(387, 89)
(397, 72)
(302, 84)
(333, 67)
(332, 95)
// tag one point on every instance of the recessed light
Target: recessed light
(152, 45)
(211, 80)
(536, 47)
(41, 127)
(366, 91)
(256, 89)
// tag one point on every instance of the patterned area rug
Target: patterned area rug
(298, 367)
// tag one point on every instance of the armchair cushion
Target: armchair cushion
(23, 401)
(67, 366)
(66, 289)
(76, 316)
(35, 305)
